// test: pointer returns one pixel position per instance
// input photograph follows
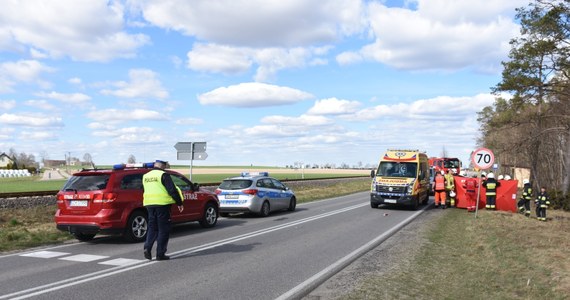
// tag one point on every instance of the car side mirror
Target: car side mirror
(195, 187)
(372, 173)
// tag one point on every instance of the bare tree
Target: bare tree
(131, 159)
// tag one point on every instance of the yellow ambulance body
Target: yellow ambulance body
(402, 177)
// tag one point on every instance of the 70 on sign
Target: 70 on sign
(483, 158)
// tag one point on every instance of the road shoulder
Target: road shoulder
(391, 256)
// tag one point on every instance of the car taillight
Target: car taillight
(218, 191)
(250, 192)
(60, 199)
(104, 198)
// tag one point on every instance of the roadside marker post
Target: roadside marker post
(481, 158)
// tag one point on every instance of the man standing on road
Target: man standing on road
(159, 194)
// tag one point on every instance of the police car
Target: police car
(110, 201)
(254, 193)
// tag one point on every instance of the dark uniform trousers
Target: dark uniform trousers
(158, 222)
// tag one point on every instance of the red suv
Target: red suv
(110, 201)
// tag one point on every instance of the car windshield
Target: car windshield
(451, 163)
(235, 184)
(397, 169)
(87, 182)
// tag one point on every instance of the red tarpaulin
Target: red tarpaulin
(506, 195)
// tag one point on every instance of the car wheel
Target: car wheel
(210, 217)
(292, 204)
(426, 199)
(373, 205)
(265, 209)
(84, 237)
(225, 215)
(137, 227)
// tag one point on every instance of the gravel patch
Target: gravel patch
(393, 255)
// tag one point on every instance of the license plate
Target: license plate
(230, 202)
(232, 196)
(78, 203)
(390, 201)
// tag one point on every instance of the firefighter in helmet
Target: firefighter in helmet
(524, 202)
(491, 186)
(449, 185)
(542, 203)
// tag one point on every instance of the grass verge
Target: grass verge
(31, 227)
(499, 255)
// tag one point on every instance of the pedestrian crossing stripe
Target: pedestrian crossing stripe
(121, 262)
(45, 254)
(83, 258)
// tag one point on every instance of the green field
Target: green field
(33, 184)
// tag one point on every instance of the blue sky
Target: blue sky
(262, 82)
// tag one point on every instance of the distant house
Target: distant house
(53, 163)
(5, 160)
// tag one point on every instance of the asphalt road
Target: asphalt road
(243, 257)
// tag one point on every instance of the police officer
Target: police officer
(159, 194)
(491, 186)
(524, 202)
(542, 202)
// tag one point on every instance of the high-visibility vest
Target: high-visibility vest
(439, 183)
(491, 187)
(154, 191)
(527, 192)
(543, 200)
(450, 181)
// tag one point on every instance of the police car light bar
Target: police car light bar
(245, 174)
(135, 165)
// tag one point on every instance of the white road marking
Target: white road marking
(121, 262)
(54, 286)
(84, 257)
(45, 254)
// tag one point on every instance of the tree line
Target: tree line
(531, 127)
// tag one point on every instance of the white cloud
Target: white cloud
(334, 106)
(219, 59)
(439, 35)
(253, 94)
(303, 120)
(7, 104)
(258, 23)
(27, 71)
(117, 115)
(438, 108)
(143, 84)
(74, 80)
(235, 60)
(41, 104)
(38, 135)
(68, 28)
(30, 120)
(189, 121)
(75, 98)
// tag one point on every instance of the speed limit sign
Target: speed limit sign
(483, 158)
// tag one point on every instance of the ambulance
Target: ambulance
(402, 178)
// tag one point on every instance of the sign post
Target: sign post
(191, 151)
(481, 158)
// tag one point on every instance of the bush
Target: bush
(559, 201)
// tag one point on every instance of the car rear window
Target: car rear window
(235, 184)
(87, 182)
(132, 182)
